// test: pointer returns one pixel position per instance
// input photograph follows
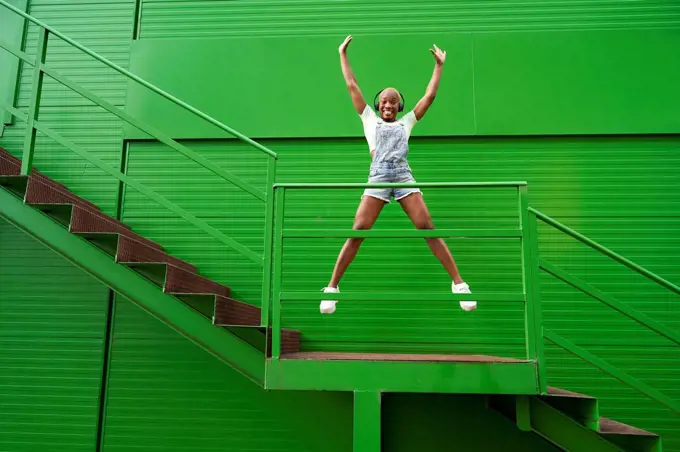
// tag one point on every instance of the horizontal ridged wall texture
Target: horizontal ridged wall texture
(52, 330)
(621, 191)
(181, 18)
(167, 395)
(106, 28)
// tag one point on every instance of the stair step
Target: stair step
(612, 427)
(582, 408)
(180, 281)
(232, 312)
(40, 191)
(11, 166)
(256, 336)
(133, 251)
(629, 438)
(84, 221)
(290, 342)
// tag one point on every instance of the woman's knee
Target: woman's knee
(424, 222)
(361, 224)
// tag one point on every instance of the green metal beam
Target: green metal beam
(149, 193)
(396, 233)
(523, 412)
(396, 296)
(564, 432)
(141, 81)
(135, 287)
(367, 421)
(402, 376)
(34, 105)
(322, 185)
(613, 371)
(155, 133)
(604, 250)
(612, 302)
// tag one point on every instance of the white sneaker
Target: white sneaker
(464, 288)
(328, 306)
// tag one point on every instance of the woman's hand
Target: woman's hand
(439, 54)
(343, 47)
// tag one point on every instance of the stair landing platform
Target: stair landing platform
(396, 372)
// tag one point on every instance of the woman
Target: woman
(387, 139)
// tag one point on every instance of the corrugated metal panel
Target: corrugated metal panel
(106, 28)
(205, 195)
(165, 394)
(208, 18)
(52, 329)
(622, 191)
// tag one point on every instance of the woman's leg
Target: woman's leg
(365, 218)
(415, 208)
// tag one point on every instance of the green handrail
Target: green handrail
(33, 124)
(524, 234)
(612, 370)
(141, 81)
(617, 257)
(631, 313)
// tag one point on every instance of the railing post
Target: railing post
(268, 243)
(34, 106)
(536, 296)
(532, 330)
(277, 272)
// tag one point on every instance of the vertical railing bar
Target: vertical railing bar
(536, 301)
(278, 270)
(268, 243)
(529, 330)
(34, 106)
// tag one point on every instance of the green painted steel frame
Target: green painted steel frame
(612, 302)
(130, 284)
(348, 375)
(367, 421)
(33, 125)
(612, 370)
(564, 432)
(402, 376)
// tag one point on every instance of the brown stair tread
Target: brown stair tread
(179, 281)
(86, 221)
(400, 357)
(611, 427)
(233, 312)
(133, 251)
(564, 393)
(40, 192)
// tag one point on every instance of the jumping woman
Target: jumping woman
(387, 139)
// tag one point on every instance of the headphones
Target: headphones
(376, 101)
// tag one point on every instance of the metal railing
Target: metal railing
(525, 233)
(34, 124)
(612, 302)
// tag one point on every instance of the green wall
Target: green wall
(52, 334)
(165, 394)
(559, 74)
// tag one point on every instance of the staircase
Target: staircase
(172, 276)
(571, 421)
(566, 419)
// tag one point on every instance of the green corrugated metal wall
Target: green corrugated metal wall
(210, 18)
(166, 395)
(620, 191)
(106, 28)
(52, 330)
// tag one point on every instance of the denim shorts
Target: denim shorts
(390, 173)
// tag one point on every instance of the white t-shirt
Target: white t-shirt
(370, 120)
